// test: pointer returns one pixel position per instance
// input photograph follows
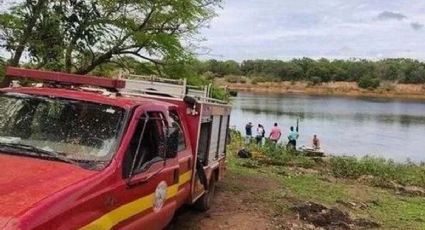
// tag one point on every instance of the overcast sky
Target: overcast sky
(285, 29)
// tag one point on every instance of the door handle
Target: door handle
(189, 163)
(176, 176)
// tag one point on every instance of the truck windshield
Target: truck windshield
(73, 130)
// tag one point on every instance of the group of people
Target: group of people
(275, 135)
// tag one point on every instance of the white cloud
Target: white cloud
(250, 29)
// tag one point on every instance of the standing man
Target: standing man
(275, 134)
(248, 132)
(260, 134)
(292, 137)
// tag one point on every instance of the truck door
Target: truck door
(151, 178)
(184, 156)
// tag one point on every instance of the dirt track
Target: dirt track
(235, 207)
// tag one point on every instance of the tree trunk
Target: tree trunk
(14, 61)
(68, 54)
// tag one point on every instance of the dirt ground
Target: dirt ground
(235, 207)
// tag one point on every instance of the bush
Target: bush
(388, 86)
(219, 93)
(209, 76)
(2, 69)
(382, 170)
(316, 80)
(258, 79)
(368, 82)
(234, 79)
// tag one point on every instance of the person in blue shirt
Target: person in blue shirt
(292, 137)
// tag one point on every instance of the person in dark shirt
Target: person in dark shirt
(260, 134)
(248, 132)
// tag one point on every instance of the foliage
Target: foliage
(383, 170)
(271, 154)
(306, 69)
(234, 79)
(78, 36)
(316, 80)
(2, 69)
(368, 82)
(289, 186)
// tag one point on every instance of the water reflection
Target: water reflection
(355, 126)
(360, 117)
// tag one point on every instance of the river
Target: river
(359, 126)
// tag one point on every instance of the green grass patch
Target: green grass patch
(312, 188)
(383, 170)
(331, 181)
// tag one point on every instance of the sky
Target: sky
(335, 29)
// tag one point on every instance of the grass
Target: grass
(332, 181)
(383, 170)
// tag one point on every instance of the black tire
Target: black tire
(205, 201)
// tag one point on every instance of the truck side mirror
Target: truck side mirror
(172, 143)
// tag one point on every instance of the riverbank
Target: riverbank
(266, 191)
(388, 90)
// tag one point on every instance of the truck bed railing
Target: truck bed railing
(140, 85)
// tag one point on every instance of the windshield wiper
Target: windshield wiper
(38, 151)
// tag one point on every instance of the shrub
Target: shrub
(368, 82)
(219, 93)
(257, 79)
(382, 170)
(2, 69)
(232, 78)
(388, 86)
(316, 80)
(209, 76)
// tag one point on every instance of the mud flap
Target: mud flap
(201, 174)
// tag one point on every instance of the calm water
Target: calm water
(388, 128)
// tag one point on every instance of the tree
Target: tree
(18, 26)
(290, 72)
(416, 76)
(81, 35)
(368, 82)
(2, 69)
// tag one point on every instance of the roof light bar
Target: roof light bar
(67, 78)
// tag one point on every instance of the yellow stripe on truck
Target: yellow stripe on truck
(185, 177)
(112, 218)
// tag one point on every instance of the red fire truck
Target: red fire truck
(84, 152)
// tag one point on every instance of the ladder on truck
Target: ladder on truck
(142, 85)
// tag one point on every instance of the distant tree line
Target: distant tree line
(367, 73)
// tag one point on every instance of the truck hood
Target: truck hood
(25, 181)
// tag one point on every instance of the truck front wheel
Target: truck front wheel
(205, 201)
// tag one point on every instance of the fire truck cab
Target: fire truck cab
(84, 152)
